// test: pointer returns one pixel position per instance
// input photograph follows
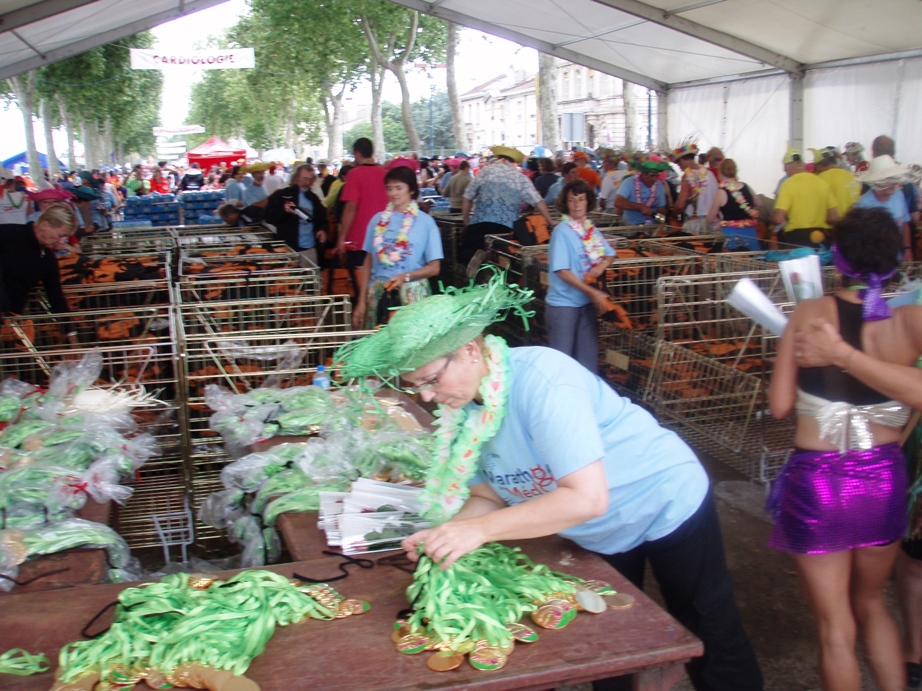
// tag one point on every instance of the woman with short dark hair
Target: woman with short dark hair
(403, 250)
(577, 259)
(846, 366)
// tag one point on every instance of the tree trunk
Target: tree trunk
(53, 169)
(336, 124)
(549, 135)
(69, 127)
(24, 90)
(630, 116)
(454, 100)
(108, 148)
(377, 126)
(406, 110)
(88, 154)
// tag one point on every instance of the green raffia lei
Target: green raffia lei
(160, 627)
(460, 437)
(23, 663)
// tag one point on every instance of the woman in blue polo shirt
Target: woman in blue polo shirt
(578, 258)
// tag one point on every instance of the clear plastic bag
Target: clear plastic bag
(71, 376)
(101, 480)
(251, 472)
(221, 509)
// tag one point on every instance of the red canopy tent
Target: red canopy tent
(214, 151)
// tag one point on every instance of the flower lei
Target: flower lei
(695, 178)
(401, 245)
(22, 200)
(737, 194)
(460, 436)
(593, 244)
(638, 196)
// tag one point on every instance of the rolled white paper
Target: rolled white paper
(749, 299)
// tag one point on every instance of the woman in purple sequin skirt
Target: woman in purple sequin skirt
(845, 366)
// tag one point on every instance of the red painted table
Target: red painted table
(356, 654)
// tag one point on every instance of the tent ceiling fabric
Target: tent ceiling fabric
(673, 42)
(656, 43)
(37, 33)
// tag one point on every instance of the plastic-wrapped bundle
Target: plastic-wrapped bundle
(19, 544)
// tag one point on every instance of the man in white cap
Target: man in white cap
(885, 177)
(14, 206)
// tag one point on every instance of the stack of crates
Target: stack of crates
(159, 209)
(243, 345)
(452, 272)
(201, 206)
(132, 323)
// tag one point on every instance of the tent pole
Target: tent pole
(797, 111)
(662, 116)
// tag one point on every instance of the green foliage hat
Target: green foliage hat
(424, 331)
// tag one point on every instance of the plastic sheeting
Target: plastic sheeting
(750, 119)
(747, 120)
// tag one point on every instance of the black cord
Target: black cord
(361, 563)
(83, 631)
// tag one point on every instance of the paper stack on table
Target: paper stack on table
(373, 517)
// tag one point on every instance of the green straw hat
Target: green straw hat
(424, 331)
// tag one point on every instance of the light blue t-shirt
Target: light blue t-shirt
(567, 252)
(896, 205)
(553, 192)
(633, 217)
(424, 240)
(254, 193)
(233, 192)
(306, 239)
(559, 419)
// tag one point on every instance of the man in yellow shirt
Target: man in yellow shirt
(805, 206)
(842, 182)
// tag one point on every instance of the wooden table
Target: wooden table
(356, 654)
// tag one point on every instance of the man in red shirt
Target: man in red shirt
(585, 172)
(364, 196)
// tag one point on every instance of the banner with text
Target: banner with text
(153, 59)
(182, 129)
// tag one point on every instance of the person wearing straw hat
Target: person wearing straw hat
(530, 443)
(496, 195)
(805, 206)
(885, 177)
(697, 189)
(255, 193)
(846, 368)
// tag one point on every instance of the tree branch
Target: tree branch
(411, 41)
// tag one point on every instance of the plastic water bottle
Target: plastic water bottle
(321, 378)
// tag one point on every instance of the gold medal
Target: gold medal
(591, 601)
(400, 633)
(464, 647)
(551, 615)
(201, 581)
(488, 659)
(444, 661)
(620, 601)
(600, 587)
(413, 643)
(522, 633)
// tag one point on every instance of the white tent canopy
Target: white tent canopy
(746, 75)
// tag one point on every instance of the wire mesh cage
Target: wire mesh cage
(31, 359)
(626, 359)
(236, 258)
(263, 285)
(713, 398)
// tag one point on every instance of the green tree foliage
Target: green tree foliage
(443, 138)
(99, 89)
(268, 106)
(395, 134)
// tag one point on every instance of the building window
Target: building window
(565, 87)
(578, 84)
(520, 106)
(591, 87)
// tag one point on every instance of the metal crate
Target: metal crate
(31, 357)
(224, 236)
(708, 396)
(115, 244)
(626, 359)
(232, 258)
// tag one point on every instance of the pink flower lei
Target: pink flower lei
(402, 243)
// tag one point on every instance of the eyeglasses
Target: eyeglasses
(425, 386)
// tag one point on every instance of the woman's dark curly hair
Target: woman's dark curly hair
(869, 240)
(576, 187)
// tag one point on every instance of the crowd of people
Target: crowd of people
(612, 479)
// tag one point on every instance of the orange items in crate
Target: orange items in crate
(81, 269)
